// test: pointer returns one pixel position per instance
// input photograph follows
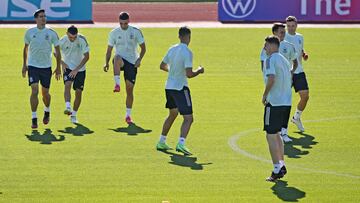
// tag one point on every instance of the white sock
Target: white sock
(284, 131)
(282, 163)
(128, 112)
(277, 168)
(47, 109)
(73, 113)
(117, 79)
(33, 115)
(297, 113)
(181, 140)
(68, 105)
(162, 138)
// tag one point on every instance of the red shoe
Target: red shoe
(128, 120)
(117, 88)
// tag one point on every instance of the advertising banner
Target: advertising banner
(278, 10)
(56, 10)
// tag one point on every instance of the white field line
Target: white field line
(233, 140)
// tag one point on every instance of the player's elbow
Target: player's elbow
(163, 66)
(143, 48)
(87, 56)
(190, 74)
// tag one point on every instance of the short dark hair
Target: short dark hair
(276, 27)
(72, 30)
(291, 19)
(184, 31)
(273, 40)
(37, 12)
(124, 16)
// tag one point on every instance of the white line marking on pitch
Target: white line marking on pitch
(233, 140)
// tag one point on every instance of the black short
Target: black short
(275, 117)
(180, 99)
(130, 71)
(300, 82)
(39, 74)
(79, 79)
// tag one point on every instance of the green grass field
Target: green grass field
(102, 160)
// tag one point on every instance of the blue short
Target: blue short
(130, 71)
(39, 74)
(180, 99)
(300, 82)
(78, 81)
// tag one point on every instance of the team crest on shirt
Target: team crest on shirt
(119, 37)
(285, 51)
(299, 41)
(132, 36)
(65, 77)
(47, 37)
(31, 79)
(34, 36)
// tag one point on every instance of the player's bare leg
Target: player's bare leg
(118, 63)
(46, 99)
(77, 102)
(129, 100)
(173, 113)
(34, 102)
(185, 128)
(304, 97)
(161, 145)
(67, 97)
(276, 148)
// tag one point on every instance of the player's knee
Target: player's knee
(78, 93)
(118, 62)
(189, 119)
(68, 85)
(129, 88)
(34, 92)
(173, 114)
(45, 94)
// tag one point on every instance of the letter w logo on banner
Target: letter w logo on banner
(239, 8)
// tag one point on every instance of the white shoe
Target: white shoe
(298, 123)
(286, 138)
(73, 119)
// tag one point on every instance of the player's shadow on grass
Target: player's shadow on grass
(305, 142)
(185, 161)
(132, 129)
(46, 138)
(286, 193)
(79, 130)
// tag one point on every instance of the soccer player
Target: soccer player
(299, 78)
(178, 63)
(126, 40)
(75, 49)
(288, 51)
(37, 62)
(277, 101)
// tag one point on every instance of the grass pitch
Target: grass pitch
(103, 160)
